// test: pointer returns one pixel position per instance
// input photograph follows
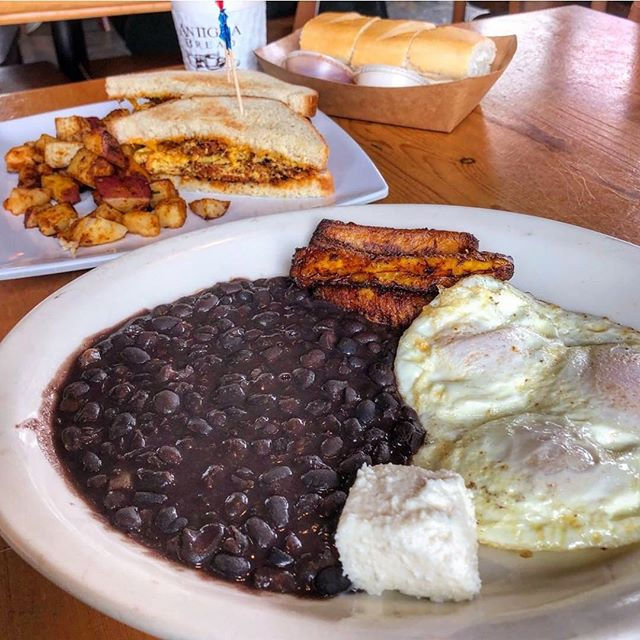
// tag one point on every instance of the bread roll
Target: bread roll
(452, 52)
(334, 34)
(387, 42)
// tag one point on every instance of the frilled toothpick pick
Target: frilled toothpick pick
(230, 61)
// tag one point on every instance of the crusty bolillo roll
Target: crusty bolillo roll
(334, 34)
(452, 52)
(387, 42)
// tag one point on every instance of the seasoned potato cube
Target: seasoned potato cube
(42, 142)
(44, 169)
(63, 188)
(60, 154)
(90, 231)
(209, 208)
(126, 193)
(128, 149)
(107, 212)
(29, 177)
(171, 212)
(87, 166)
(21, 200)
(19, 157)
(72, 129)
(55, 219)
(103, 144)
(162, 190)
(142, 223)
(31, 216)
(114, 115)
(135, 169)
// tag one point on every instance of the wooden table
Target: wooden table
(22, 12)
(558, 136)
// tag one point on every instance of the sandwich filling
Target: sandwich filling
(218, 160)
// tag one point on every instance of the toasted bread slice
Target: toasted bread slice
(165, 85)
(384, 306)
(387, 241)
(267, 127)
(317, 185)
(318, 265)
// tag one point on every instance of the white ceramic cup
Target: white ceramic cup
(197, 26)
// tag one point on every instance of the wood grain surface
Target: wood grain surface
(558, 136)
(21, 12)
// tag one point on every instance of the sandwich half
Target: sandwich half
(205, 143)
(168, 85)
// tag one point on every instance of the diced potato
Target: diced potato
(20, 157)
(108, 213)
(53, 220)
(171, 212)
(90, 231)
(72, 129)
(114, 115)
(209, 208)
(21, 200)
(31, 216)
(87, 166)
(60, 154)
(44, 169)
(29, 177)
(63, 188)
(103, 144)
(142, 223)
(133, 169)
(128, 149)
(42, 142)
(162, 190)
(126, 193)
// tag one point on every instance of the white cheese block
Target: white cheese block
(407, 529)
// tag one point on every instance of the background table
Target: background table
(558, 137)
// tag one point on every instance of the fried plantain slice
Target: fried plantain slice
(385, 306)
(387, 241)
(319, 265)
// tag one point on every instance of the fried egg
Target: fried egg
(538, 408)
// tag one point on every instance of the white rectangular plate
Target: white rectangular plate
(26, 252)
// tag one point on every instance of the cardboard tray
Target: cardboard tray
(437, 107)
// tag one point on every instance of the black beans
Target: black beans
(121, 425)
(127, 519)
(366, 411)
(225, 429)
(232, 567)
(331, 446)
(348, 346)
(277, 508)
(304, 378)
(198, 546)
(200, 426)
(166, 402)
(331, 581)
(236, 504)
(320, 479)
(275, 475)
(260, 532)
(135, 355)
(314, 359)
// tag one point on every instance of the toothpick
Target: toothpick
(231, 61)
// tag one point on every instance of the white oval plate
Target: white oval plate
(592, 594)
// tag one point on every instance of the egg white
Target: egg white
(492, 373)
